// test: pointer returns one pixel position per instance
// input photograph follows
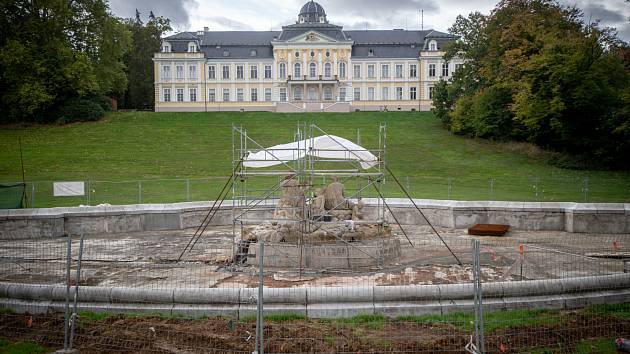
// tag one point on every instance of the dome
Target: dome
(312, 12)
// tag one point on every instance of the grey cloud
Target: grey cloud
(598, 12)
(359, 25)
(375, 8)
(176, 10)
(229, 23)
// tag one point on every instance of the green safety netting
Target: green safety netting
(12, 196)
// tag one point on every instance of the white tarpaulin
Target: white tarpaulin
(326, 147)
(68, 189)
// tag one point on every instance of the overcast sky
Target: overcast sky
(193, 15)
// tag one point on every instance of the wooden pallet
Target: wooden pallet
(488, 230)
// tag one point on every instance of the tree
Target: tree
(147, 40)
(535, 71)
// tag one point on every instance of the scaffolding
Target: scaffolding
(256, 191)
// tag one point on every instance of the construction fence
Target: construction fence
(132, 294)
(41, 194)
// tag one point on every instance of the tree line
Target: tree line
(63, 60)
(536, 71)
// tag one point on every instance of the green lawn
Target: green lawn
(181, 156)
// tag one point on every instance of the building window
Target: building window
(328, 70)
(458, 66)
(328, 94)
(226, 72)
(313, 70)
(297, 54)
(342, 70)
(357, 72)
(433, 45)
(254, 95)
(192, 95)
(226, 53)
(413, 70)
(413, 93)
(226, 95)
(357, 94)
(166, 72)
(283, 94)
(283, 70)
(399, 93)
(212, 95)
(297, 71)
(253, 53)
(431, 70)
(371, 73)
(370, 93)
(179, 72)
(399, 71)
(385, 71)
(167, 95)
(192, 72)
(180, 95)
(370, 52)
(297, 93)
(212, 72)
(166, 48)
(240, 95)
(342, 94)
(192, 48)
(267, 71)
(253, 72)
(385, 94)
(240, 72)
(267, 94)
(327, 54)
(445, 69)
(430, 92)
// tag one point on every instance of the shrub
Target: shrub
(80, 110)
(103, 101)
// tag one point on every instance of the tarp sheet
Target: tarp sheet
(326, 147)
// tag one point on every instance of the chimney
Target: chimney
(206, 29)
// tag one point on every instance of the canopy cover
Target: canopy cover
(326, 147)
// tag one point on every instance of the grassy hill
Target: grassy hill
(180, 156)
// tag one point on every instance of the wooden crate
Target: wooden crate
(489, 230)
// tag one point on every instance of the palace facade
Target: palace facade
(309, 66)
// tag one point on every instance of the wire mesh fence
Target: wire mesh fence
(549, 189)
(530, 292)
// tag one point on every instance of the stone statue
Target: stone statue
(334, 193)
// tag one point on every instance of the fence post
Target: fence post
(188, 190)
(585, 189)
(260, 342)
(450, 187)
(89, 189)
(478, 296)
(66, 320)
(139, 192)
(536, 187)
(76, 293)
(491, 188)
(33, 196)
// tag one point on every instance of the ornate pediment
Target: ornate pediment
(312, 37)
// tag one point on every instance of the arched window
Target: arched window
(297, 93)
(192, 47)
(297, 70)
(282, 70)
(433, 45)
(313, 70)
(166, 48)
(342, 70)
(328, 70)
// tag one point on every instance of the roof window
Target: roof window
(226, 53)
(370, 52)
(253, 53)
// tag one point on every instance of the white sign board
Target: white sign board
(68, 189)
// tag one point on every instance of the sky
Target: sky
(264, 15)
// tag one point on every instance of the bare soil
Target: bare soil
(171, 335)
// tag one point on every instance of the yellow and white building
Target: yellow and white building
(309, 66)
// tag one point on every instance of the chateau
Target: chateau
(309, 66)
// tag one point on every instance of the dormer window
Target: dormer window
(253, 53)
(433, 46)
(370, 52)
(166, 48)
(226, 53)
(192, 47)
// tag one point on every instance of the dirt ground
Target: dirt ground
(168, 335)
(150, 259)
